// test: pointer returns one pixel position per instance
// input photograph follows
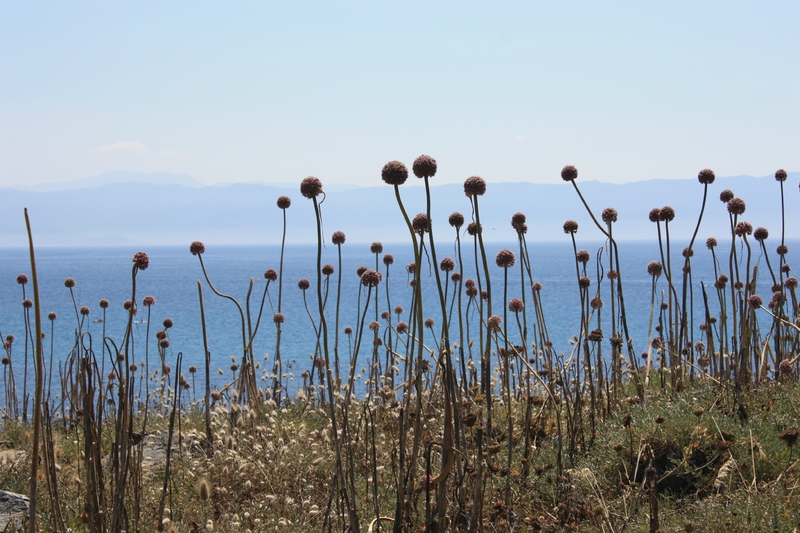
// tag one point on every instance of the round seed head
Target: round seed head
(376, 248)
(786, 268)
(743, 228)
(127, 305)
(584, 282)
(596, 303)
(374, 326)
(666, 214)
(790, 283)
(360, 270)
(736, 206)
(197, 248)
(755, 301)
(271, 274)
(424, 166)
(711, 242)
(582, 256)
(303, 284)
(394, 173)
(536, 286)
(569, 173)
(473, 228)
(785, 367)
(780, 175)
(147, 301)
(570, 226)
(279, 318)
(385, 315)
(398, 309)
(474, 186)
(516, 305)
(706, 176)
(164, 343)
(141, 260)
(429, 323)
(402, 328)
(410, 268)
(761, 234)
(27, 303)
(371, 278)
(284, 202)
(22, 279)
(327, 269)
(420, 223)
(192, 369)
(654, 268)
(447, 264)
(52, 315)
(388, 259)
(518, 220)
(456, 220)
(168, 323)
(654, 215)
(505, 258)
(69, 283)
(726, 196)
(687, 252)
(494, 322)
(104, 304)
(348, 330)
(310, 187)
(609, 215)
(782, 249)
(338, 238)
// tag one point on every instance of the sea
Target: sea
(174, 277)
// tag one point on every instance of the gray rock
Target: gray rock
(13, 508)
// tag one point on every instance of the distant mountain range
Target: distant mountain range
(164, 209)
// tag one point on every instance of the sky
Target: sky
(511, 91)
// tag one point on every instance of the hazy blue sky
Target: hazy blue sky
(244, 91)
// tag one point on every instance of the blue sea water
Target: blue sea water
(173, 274)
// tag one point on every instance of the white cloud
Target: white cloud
(520, 139)
(123, 146)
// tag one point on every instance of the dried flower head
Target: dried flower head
(420, 223)
(711, 242)
(505, 258)
(394, 173)
(303, 284)
(612, 274)
(69, 283)
(654, 215)
(584, 282)
(687, 252)
(168, 323)
(374, 326)
(474, 186)
(743, 228)
(402, 328)
(385, 315)
(761, 234)
(127, 305)
(654, 268)
(536, 286)
(790, 283)
(569, 173)
(22, 279)
(785, 367)
(360, 270)
(284, 202)
(786, 268)
(279, 318)
(371, 278)
(424, 166)
(84, 309)
(27, 303)
(411, 268)
(570, 226)
(706, 176)
(147, 301)
(736, 206)
(494, 322)
(456, 220)
(327, 269)
(516, 305)
(473, 228)
(781, 175)
(518, 220)
(52, 315)
(376, 247)
(398, 309)
(388, 259)
(271, 274)
(755, 301)
(197, 248)
(310, 187)
(429, 323)
(726, 196)
(338, 238)
(105, 303)
(782, 249)
(666, 214)
(141, 260)
(583, 256)
(447, 264)
(609, 215)
(596, 303)
(163, 343)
